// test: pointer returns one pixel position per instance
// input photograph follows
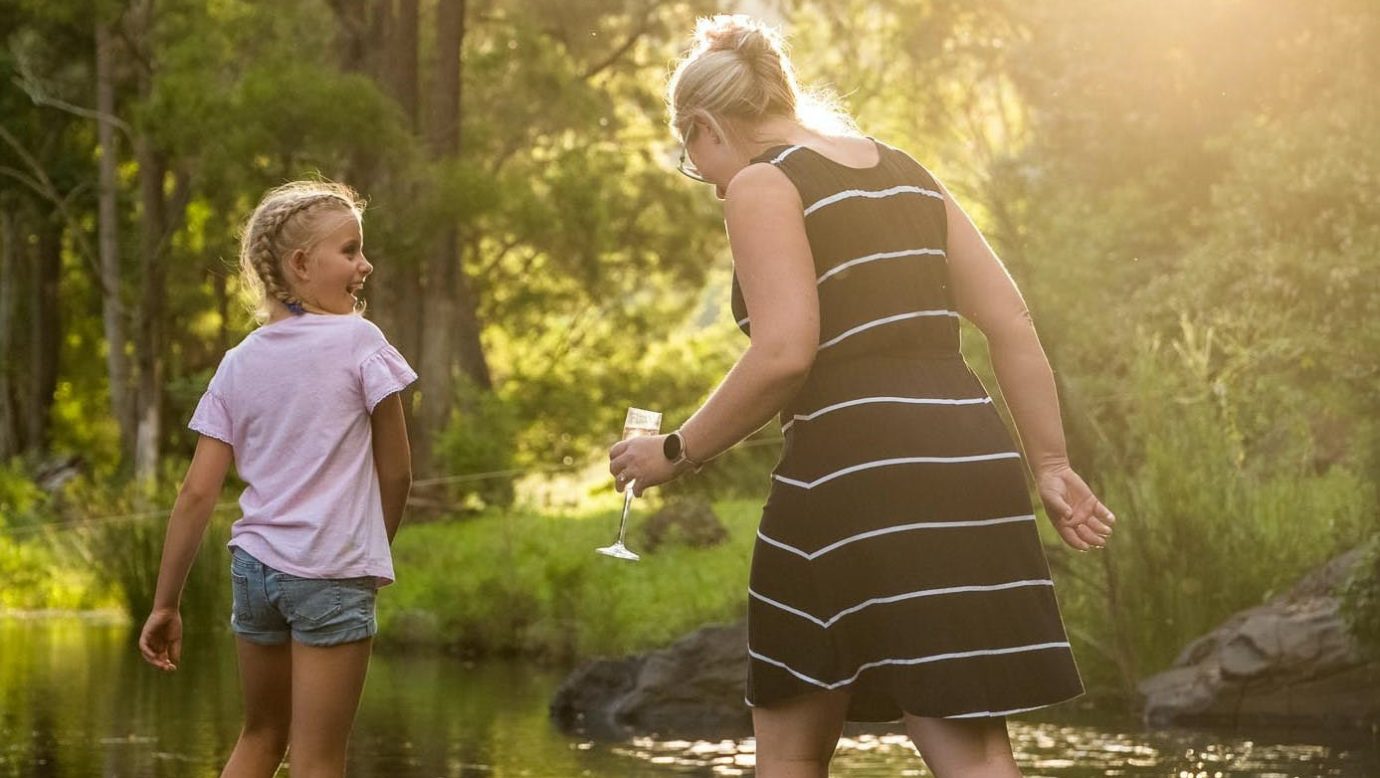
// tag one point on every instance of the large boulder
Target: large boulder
(1290, 662)
(692, 689)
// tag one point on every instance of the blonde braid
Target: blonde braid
(264, 244)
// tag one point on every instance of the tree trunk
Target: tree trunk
(148, 345)
(442, 263)
(112, 308)
(45, 334)
(9, 427)
(466, 324)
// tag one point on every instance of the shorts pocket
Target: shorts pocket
(358, 596)
(310, 601)
(241, 610)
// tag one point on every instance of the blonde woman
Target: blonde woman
(898, 572)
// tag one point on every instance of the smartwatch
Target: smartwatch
(674, 450)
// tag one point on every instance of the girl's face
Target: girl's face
(331, 274)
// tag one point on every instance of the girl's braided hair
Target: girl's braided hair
(284, 221)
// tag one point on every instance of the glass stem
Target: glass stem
(627, 503)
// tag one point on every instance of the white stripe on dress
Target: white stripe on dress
(743, 321)
(785, 154)
(874, 257)
(897, 461)
(870, 400)
(812, 555)
(834, 341)
(829, 622)
(990, 713)
(974, 715)
(919, 660)
(879, 193)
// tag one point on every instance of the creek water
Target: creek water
(76, 701)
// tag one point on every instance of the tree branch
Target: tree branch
(44, 187)
(642, 28)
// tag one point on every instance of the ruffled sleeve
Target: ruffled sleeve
(383, 373)
(212, 418)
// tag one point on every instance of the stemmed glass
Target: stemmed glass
(637, 424)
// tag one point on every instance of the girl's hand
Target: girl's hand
(161, 640)
(1078, 516)
(641, 462)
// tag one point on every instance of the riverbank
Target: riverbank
(531, 584)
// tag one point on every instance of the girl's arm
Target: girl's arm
(161, 639)
(986, 295)
(771, 255)
(392, 459)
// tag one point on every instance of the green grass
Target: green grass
(530, 584)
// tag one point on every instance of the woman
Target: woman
(898, 572)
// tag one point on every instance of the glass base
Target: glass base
(618, 551)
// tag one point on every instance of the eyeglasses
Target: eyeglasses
(686, 167)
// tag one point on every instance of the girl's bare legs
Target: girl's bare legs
(796, 738)
(326, 687)
(266, 679)
(964, 748)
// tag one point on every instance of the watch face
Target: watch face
(671, 448)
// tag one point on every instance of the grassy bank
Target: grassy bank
(527, 583)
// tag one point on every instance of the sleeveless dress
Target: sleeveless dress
(897, 555)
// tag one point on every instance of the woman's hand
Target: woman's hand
(1078, 516)
(161, 640)
(642, 463)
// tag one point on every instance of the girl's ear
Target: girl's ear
(297, 264)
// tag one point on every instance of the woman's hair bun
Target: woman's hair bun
(748, 38)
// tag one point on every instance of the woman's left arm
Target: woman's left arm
(986, 295)
(771, 255)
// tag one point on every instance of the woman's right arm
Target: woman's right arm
(161, 639)
(392, 459)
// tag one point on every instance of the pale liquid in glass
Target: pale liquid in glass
(639, 423)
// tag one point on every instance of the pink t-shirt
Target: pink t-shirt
(293, 400)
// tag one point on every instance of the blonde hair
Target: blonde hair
(288, 218)
(736, 74)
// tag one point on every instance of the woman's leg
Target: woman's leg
(266, 680)
(964, 748)
(796, 738)
(326, 685)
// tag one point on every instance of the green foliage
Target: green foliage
(39, 575)
(480, 439)
(1361, 599)
(531, 584)
(20, 497)
(1207, 526)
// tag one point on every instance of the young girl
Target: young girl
(308, 407)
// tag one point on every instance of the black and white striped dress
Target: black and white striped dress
(898, 555)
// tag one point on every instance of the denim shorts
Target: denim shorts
(271, 606)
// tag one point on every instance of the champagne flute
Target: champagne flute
(637, 424)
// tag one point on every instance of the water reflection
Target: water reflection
(76, 701)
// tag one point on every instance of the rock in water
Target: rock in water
(1289, 662)
(693, 688)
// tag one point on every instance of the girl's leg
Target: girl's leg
(326, 686)
(964, 748)
(266, 679)
(796, 738)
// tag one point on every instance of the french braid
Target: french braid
(271, 234)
